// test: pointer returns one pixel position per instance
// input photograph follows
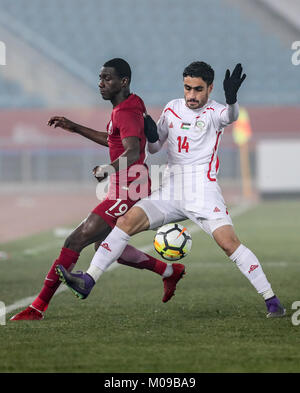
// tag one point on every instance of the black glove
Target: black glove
(150, 129)
(232, 83)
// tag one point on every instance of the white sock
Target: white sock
(109, 251)
(249, 265)
(95, 272)
(169, 271)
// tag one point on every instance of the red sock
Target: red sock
(135, 258)
(67, 259)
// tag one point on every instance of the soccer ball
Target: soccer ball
(172, 242)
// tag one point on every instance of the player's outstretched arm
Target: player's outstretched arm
(68, 125)
(131, 153)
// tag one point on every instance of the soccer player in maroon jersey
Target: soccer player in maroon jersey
(126, 140)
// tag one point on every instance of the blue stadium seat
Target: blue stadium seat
(12, 95)
(159, 38)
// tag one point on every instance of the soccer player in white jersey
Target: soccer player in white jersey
(192, 127)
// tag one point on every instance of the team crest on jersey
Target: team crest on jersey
(200, 124)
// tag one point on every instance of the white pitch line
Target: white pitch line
(42, 248)
(235, 211)
(28, 300)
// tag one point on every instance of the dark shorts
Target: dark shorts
(111, 209)
(117, 201)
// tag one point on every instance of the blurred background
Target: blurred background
(51, 55)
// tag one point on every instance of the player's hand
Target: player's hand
(232, 83)
(150, 129)
(100, 173)
(62, 122)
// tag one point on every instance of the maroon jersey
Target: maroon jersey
(127, 120)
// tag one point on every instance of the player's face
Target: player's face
(110, 83)
(196, 92)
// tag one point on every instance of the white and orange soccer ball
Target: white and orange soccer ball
(172, 242)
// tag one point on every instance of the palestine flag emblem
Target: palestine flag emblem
(185, 126)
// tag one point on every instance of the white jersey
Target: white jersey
(193, 135)
(189, 188)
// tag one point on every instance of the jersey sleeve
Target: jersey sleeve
(225, 115)
(129, 123)
(163, 127)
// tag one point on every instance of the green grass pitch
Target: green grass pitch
(215, 323)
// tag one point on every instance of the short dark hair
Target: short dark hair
(121, 66)
(199, 69)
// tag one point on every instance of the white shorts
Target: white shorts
(207, 209)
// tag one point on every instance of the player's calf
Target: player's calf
(91, 230)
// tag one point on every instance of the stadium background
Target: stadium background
(54, 51)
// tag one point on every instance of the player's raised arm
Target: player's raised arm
(232, 83)
(68, 125)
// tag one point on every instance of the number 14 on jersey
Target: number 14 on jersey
(183, 144)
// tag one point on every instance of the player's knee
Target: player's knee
(133, 222)
(230, 245)
(226, 239)
(125, 223)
